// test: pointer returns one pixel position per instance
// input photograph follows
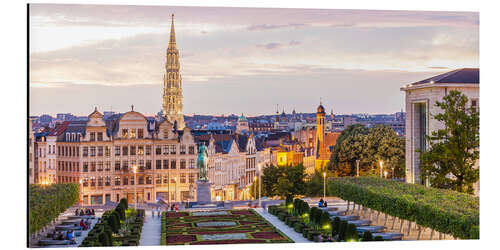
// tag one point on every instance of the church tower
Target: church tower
(172, 84)
(321, 159)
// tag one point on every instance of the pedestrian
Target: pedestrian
(176, 207)
(159, 211)
(264, 206)
(153, 213)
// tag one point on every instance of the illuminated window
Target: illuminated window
(124, 133)
(140, 133)
(132, 133)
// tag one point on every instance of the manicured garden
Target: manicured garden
(47, 202)
(445, 211)
(118, 227)
(218, 227)
(315, 224)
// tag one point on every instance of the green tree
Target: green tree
(255, 186)
(270, 175)
(382, 143)
(296, 175)
(283, 187)
(454, 150)
(350, 146)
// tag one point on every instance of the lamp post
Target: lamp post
(175, 189)
(81, 193)
(381, 167)
(385, 174)
(260, 188)
(254, 188)
(135, 187)
(324, 185)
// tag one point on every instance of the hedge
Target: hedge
(47, 202)
(445, 211)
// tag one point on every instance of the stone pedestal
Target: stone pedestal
(203, 192)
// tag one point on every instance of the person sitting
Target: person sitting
(69, 235)
(54, 235)
(320, 203)
(60, 236)
(83, 226)
(76, 212)
(325, 204)
(81, 212)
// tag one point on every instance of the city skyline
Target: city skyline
(240, 60)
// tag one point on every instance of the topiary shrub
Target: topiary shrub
(342, 230)
(351, 234)
(325, 220)
(104, 239)
(367, 236)
(378, 238)
(335, 226)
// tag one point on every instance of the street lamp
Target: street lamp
(175, 189)
(135, 186)
(254, 188)
(324, 185)
(260, 187)
(381, 167)
(357, 168)
(385, 174)
(81, 193)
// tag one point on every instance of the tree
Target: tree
(270, 175)
(382, 143)
(283, 187)
(296, 175)
(255, 187)
(314, 186)
(348, 148)
(454, 150)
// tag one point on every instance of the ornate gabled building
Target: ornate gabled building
(172, 84)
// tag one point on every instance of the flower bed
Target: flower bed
(445, 211)
(219, 227)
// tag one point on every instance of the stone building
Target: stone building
(421, 97)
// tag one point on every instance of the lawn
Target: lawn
(219, 227)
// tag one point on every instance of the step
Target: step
(389, 236)
(329, 208)
(336, 213)
(77, 217)
(67, 227)
(346, 217)
(70, 222)
(360, 223)
(50, 242)
(372, 229)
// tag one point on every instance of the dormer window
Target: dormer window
(140, 133)
(67, 137)
(124, 133)
(92, 136)
(132, 133)
(99, 136)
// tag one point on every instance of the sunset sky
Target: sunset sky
(240, 60)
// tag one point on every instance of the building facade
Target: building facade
(420, 107)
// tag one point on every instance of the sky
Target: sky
(240, 60)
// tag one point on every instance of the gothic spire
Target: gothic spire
(172, 44)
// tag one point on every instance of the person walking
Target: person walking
(159, 212)
(153, 212)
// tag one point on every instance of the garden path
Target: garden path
(151, 230)
(280, 225)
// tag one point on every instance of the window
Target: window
(85, 166)
(125, 165)
(132, 180)
(148, 164)
(92, 151)
(141, 165)
(140, 150)
(85, 181)
(107, 166)
(99, 166)
(99, 136)
(99, 181)
(108, 181)
(132, 150)
(141, 180)
(132, 164)
(191, 150)
(173, 165)
(183, 164)
(85, 151)
(165, 164)
(132, 133)
(148, 150)
(117, 150)
(125, 150)
(158, 150)
(474, 105)
(173, 179)
(117, 165)
(124, 133)
(125, 180)
(183, 178)
(117, 180)
(107, 150)
(191, 163)
(191, 178)
(92, 136)
(158, 164)
(92, 181)
(165, 179)
(165, 149)
(173, 149)
(158, 179)
(99, 151)
(183, 149)
(92, 166)
(149, 180)
(140, 133)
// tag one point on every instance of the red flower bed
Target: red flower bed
(243, 241)
(243, 212)
(219, 232)
(181, 238)
(267, 235)
(177, 214)
(248, 222)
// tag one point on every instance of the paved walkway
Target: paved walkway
(288, 231)
(151, 230)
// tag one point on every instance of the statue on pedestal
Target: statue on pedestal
(202, 162)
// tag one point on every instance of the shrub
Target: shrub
(342, 230)
(367, 236)
(298, 227)
(325, 220)
(378, 238)
(335, 226)
(104, 239)
(351, 233)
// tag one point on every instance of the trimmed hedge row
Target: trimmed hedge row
(163, 240)
(445, 211)
(47, 202)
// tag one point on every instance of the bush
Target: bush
(335, 226)
(47, 202)
(325, 220)
(351, 233)
(342, 230)
(378, 238)
(445, 211)
(298, 227)
(367, 236)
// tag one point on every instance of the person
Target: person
(81, 212)
(159, 212)
(76, 212)
(172, 207)
(60, 236)
(320, 203)
(69, 235)
(54, 235)
(325, 204)
(153, 212)
(176, 207)
(83, 225)
(264, 206)
(93, 211)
